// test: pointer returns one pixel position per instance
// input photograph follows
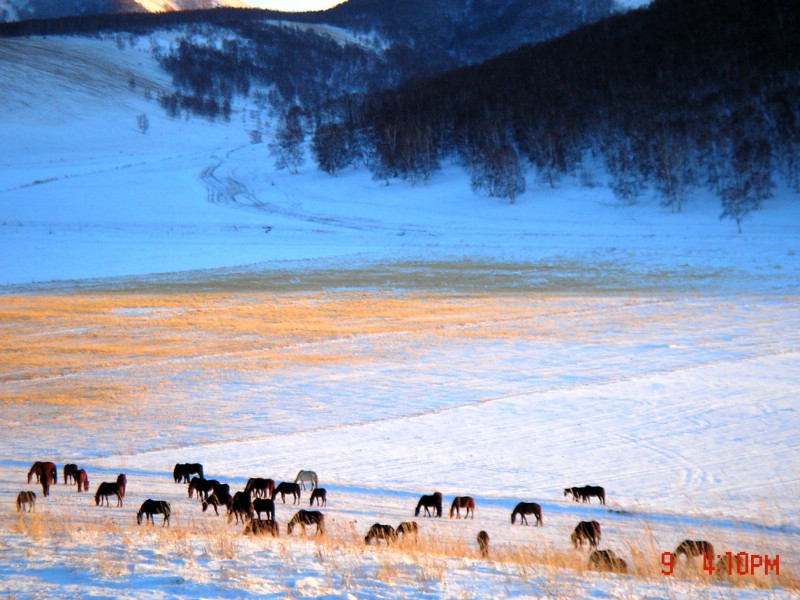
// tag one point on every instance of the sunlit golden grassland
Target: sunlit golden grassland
(74, 349)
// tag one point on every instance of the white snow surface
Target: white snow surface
(691, 423)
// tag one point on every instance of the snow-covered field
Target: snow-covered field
(170, 297)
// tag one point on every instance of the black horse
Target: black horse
(154, 507)
(432, 501)
(220, 498)
(588, 531)
(202, 486)
(241, 507)
(182, 471)
(264, 505)
(527, 508)
(320, 495)
(381, 532)
(69, 472)
(586, 492)
(287, 487)
(106, 489)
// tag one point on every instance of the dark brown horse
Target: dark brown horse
(260, 487)
(203, 487)
(106, 489)
(380, 532)
(259, 527)
(154, 507)
(122, 482)
(264, 505)
(240, 507)
(307, 517)
(483, 543)
(465, 502)
(606, 560)
(320, 495)
(81, 480)
(432, 501)
(217, 499)
(407, 528)
(43, 471)
(287, 487)
(586, 531)
(26, 498)
(526, 508)
(586, 492)
(182, 471)
(691, 548)
(69, 472)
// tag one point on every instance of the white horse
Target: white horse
(307, 476)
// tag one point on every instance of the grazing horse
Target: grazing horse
(307, 517)
(122, 482)
(69, 472)
(240, 507)
(586, 531)
(217, 499)
(263, 505)
(432, 501)
(381, 532)
(307, 476)
(259, 527)
(586, 492)
(154, 507)
(26, 498)
(260, 487)
(526, 508)
(690, 548)
(408, 528)
(606, 560)
(320, 495)
(81, 480)
(287, 487)
(106, 489)
(465, 502)
(203, 487)
(43, 471)
(182, 471)
(483, 543)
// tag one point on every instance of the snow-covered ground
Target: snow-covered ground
(462, 345)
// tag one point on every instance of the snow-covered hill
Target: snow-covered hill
(444, 341)
(17, 10)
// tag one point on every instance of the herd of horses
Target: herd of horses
(259, 496)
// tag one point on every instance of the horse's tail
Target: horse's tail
(453, 508)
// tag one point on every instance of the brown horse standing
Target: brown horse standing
(465, 502)
(24, 499)
(527, 508)
(241, 507)
(81, 480)
(586, 531)
(432, 501)
(483, 543)
(260, 487)
(122, 482)
(69, 472)
(287, 487)
(307, 517)
(43, 470)
(320, 495)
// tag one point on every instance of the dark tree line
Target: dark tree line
(683, 94)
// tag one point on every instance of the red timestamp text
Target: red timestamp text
(729, 563)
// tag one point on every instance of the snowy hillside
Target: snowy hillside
(169, 296)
